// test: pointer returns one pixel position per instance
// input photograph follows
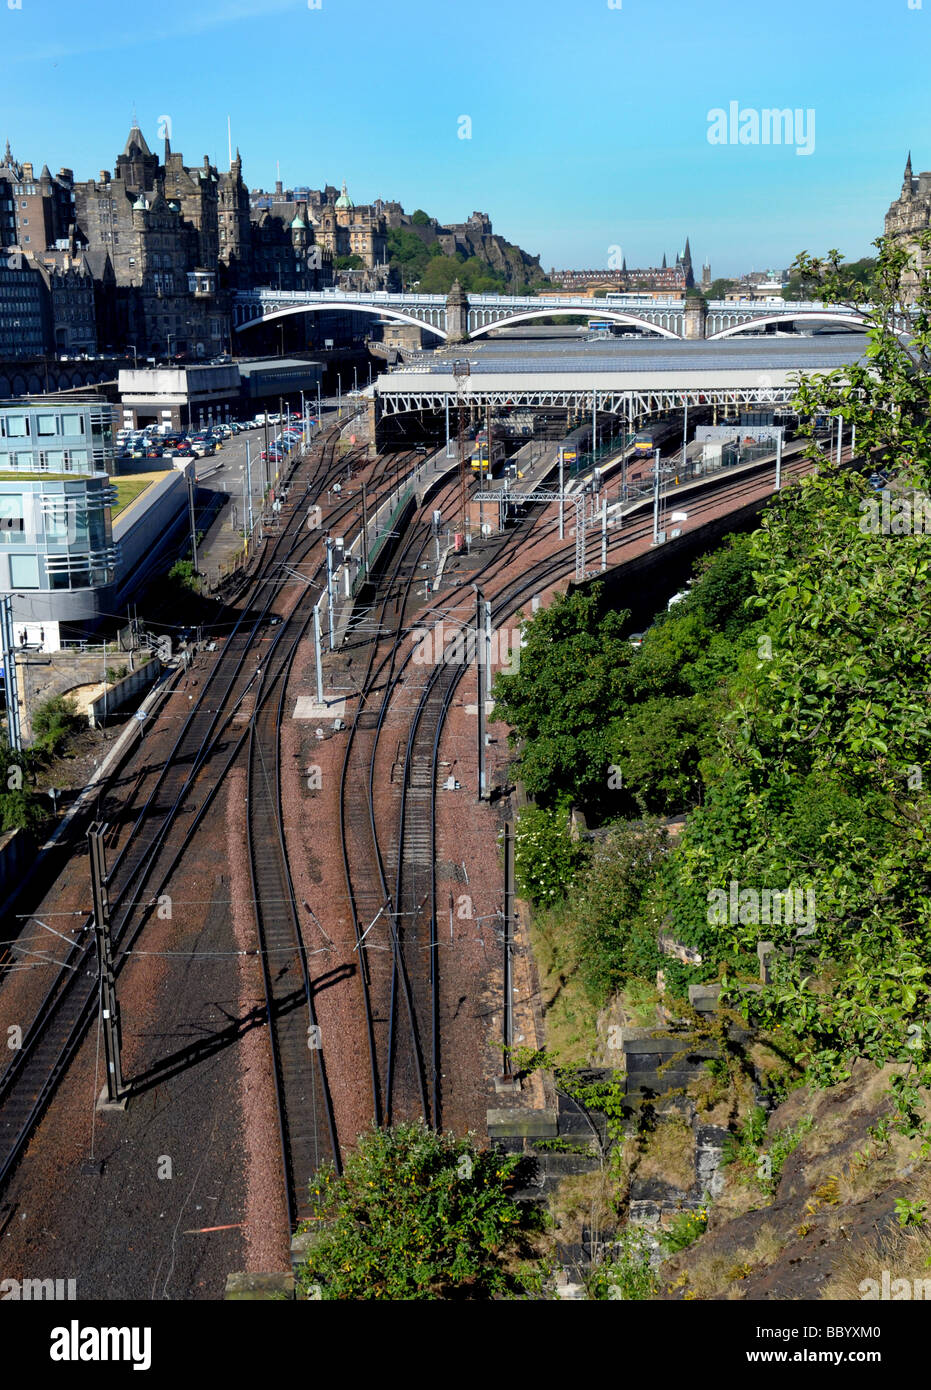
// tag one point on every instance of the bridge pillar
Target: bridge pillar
(695, 317)
(457, 314)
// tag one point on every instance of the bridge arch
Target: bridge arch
(594, 313)
(382, 311)
(806, 316)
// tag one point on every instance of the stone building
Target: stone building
(285, 253)
(909, 215)
(158, 225)
(35, 210)
(71, 309)
(346, 230)
(335, 224)
(671, 280)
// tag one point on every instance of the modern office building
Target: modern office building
(57, 556)
(42, 434)
(23, 308)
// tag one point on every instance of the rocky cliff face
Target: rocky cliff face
(476, 238)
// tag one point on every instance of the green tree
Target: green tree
(352, 262)
(407, 252)
(615, 932)
(720, 287)
(546, 857)
(55, 722)
(184, 575)
(558, 702)
(416, 1215)
(20, 807)
(806, 277)
(419, 218)
(819, 785)
(658, 746)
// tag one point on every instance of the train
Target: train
(479, 460)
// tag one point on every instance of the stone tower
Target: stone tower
(909, 215)
(687, 265)
(457, 314)
(696, 314)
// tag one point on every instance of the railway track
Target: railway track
(411, 899)
(390, 873)
(69, 1003)
(386, 991)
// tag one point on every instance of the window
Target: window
(24, 571)
(46, 424)
(11, 517)
(56, 522)
(15, 426)
(72, 425)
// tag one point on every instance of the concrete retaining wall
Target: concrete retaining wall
(17, 851)
(44, 675)
(123, 692)
(146, 530)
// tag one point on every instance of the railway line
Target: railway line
(389, 849)
(150, 853)
(409, 900)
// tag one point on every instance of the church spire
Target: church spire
(907, 179)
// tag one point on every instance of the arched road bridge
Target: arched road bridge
(456, 317)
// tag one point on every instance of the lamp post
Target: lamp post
(656, 499)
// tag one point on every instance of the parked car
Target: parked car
(154, 451)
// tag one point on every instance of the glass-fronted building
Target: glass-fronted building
(43, 435)
(57, 555)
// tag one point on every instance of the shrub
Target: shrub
(546, 857)
(684, 1230)
(615, 936)
(416, 1215)
(54, 723)
(629, 1275)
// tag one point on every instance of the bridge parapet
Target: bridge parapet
(476, 314)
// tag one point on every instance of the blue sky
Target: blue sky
(589, 124)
